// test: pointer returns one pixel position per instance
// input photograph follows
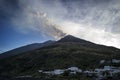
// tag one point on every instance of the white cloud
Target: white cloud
(88, 32)
(96, 22)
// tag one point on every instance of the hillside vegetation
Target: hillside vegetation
(61, 55)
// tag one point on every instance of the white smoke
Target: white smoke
(96, 21)
(34, 19)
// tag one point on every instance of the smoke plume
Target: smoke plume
(94, 20)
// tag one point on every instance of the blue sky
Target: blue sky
(10, 38)
(25, 22)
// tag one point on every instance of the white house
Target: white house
(80, 71)
(115, 61)
(102, 61)
(55, 72)
(74, 70)
(48, 72)
(97, 70)
(87, 71)
(58, 71)
(115, 70)
(40, 71)
(107, 68)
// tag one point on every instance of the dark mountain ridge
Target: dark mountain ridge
(70, 38)
(66, 52)
(23, 49)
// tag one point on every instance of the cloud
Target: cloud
(34, 19)
(94, 20)
(88, 32)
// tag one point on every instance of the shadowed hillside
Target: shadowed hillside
(66, 52)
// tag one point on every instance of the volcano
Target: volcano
(66, 52)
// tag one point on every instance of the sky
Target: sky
(25, 22)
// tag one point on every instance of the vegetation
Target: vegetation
(58, 55)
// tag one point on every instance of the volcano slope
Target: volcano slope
(66, 52)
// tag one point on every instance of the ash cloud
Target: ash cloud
(94, 20)
(34, 18)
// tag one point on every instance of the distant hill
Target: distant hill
(66, 52)
(23, 49)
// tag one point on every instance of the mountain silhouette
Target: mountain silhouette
(23, 49)
(66, 52)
